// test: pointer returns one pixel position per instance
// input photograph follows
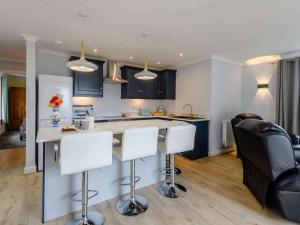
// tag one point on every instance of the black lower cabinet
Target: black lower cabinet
(201, 141)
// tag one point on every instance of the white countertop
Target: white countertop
(49, 134)
(204, 118)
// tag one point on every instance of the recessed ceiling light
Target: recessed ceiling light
(130, 57)
(58, 42)
(158, 63)
(95, 50)
(180, 54)
(82, 14)
(263, 59)
(145, 34)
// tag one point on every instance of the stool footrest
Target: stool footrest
(73, 196)
(137, 179)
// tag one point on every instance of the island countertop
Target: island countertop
(49, 134)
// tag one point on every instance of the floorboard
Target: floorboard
(216, 196)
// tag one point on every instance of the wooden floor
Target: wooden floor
(215, 196)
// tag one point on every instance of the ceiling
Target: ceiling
(235, 29)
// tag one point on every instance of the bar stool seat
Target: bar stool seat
(178, 139)
(80, 153)
(136, 143)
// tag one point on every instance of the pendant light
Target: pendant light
(145, 74)
(82, 65)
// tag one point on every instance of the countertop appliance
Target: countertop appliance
(49, 85)
(82, 111)
(83, 116)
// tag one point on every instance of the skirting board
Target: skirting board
(31, 169)
(221, 151)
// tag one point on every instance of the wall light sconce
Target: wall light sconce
(263, 86)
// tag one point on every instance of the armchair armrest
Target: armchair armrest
(295, 139)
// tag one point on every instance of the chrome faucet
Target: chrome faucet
(191, 108)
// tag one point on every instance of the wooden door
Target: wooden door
(17, 107)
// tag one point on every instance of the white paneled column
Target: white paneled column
(31, 73)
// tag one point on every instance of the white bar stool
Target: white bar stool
(80, 153)
(136, 143)
(178, 139)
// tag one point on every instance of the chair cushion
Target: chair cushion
(287, 193)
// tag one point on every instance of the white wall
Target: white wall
(261, 102)
(12, 67)
(213, 88)
(225, 99)
(193, 86)
(110, 104)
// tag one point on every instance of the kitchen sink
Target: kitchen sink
(187, 117)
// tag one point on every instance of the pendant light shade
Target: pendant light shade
(82, 65)
(145, 74)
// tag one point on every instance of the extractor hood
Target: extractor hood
(112, 76)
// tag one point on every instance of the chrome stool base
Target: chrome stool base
(94, 218)
(128, 207)
(169, 191)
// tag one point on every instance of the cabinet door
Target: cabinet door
(147, 87)
(132, 88)
(168, 83)
(201, 141)
(89, 83)
(135, 88)
(159, 93)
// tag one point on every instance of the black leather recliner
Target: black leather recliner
(238, 118)
(294, 138)
(269, 167)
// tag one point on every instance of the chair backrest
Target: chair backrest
(267, 146)
(139, 142)
(180, 138)
(85, 151)
(235, 121)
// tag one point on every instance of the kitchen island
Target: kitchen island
(57, 189)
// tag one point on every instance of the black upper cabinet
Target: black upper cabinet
(135, 88)
(162, 87)
(166, 84)
(88, 83)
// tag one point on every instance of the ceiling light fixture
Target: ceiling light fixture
(263, 59)
(180, 54)
(145, 74)
(95, 50)
(158, 63)
(131, 57)
(81, 65)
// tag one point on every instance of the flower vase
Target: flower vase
(55, 118)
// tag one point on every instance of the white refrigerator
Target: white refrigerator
(48, 86)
